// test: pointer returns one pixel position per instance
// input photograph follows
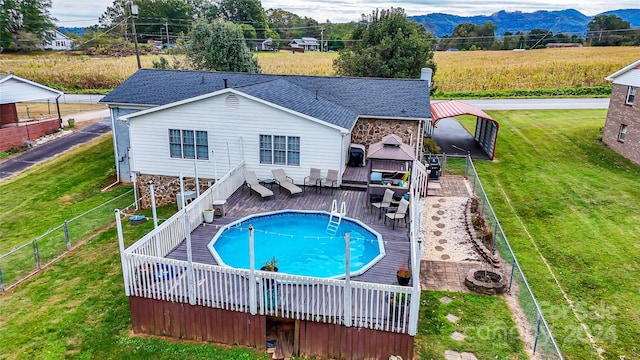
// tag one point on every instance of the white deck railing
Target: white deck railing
(420, 178)
(375, 306)
(161, 240)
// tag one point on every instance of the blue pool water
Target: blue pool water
(299, 242)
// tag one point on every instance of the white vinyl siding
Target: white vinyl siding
(233, 136)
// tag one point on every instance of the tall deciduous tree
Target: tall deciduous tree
(25, 24)
(219, 46)
(248, 12)
(610, 30)
(389, 45)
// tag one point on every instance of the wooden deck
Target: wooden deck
(243, 203)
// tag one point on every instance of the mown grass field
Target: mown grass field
(465, 71)
(77, 308)
(561, 195)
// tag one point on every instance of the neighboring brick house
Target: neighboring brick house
(622, 128)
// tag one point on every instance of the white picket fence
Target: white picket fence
(367, 305)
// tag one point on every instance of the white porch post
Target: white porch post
(195, 171)
(123, 260)
(347, 282)
(253, 305)
(191, 285)
(153, 204)
(184, 203)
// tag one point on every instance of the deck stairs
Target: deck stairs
(335, 218)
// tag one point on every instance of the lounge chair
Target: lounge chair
(285, 182)
(313, 179)
(386, 201)
(331, 180)
(401, 213)
(252, 182)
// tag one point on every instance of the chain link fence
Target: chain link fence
(544, 346)
(31, 257)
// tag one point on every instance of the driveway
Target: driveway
(25, 160)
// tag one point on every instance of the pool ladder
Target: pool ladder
(335, 218)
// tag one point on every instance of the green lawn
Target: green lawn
(562, 195)
(45, 196)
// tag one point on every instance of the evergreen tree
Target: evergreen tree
(219, 46)
(26, 24)
(389, 45)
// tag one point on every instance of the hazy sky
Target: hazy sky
(86, 12)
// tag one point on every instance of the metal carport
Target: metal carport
(486, 128)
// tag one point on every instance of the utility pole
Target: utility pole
(322, 39)
(166, 29)
(134, 13)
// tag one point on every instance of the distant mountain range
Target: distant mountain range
(562, 21)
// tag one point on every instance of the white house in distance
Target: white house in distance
(622, 128)
(306, 43)
(59, 41)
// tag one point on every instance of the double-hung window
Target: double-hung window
(631, 94)
(622, 133)
(188, 144)
(280, 150)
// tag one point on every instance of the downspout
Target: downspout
(58, 110)
(115, 152)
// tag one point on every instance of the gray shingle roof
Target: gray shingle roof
(336, 100)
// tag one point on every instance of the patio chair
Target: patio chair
(285, 182)
(330, 181)
(401, 213)
(385, 203)
(252, 182)
(313, 179)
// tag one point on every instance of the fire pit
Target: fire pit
(486, 282)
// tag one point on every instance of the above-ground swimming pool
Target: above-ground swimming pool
(300, 242)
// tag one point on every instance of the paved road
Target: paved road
(80, 98)
(40, 153)
(539, 104)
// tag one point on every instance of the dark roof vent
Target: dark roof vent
(225, 82)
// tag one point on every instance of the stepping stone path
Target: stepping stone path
(445, 257)
(440, 212)
(435, 206)
(439, 248)
(442, 241)
(437, 233)
(445, 299)
(454, 319)
(453, 355)
(435, 218)
(440, 225)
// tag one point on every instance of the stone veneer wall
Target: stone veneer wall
(369, 131)
(165, 188)
(621, 113)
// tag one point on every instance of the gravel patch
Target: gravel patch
(445, 238)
